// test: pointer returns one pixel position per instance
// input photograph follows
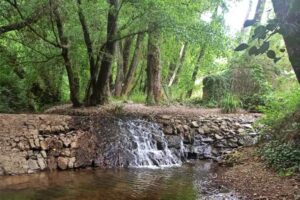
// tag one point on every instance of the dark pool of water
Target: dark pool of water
(190, 182)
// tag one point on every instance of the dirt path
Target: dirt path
(141, 109)
(251, 178)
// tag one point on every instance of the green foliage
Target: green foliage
(283, 157)
(280, 125)
(230, 103)
(12, 95)
(215, 87)
(281, 113)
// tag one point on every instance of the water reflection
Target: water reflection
(188, 182)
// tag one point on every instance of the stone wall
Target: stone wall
(29, 143)
(32, 143)
(209, 136)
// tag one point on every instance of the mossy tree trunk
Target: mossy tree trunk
(153, 67)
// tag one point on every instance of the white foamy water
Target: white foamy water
(147, 145)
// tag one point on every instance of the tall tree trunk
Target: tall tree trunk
(120, 70)
(126, 54)
(179, 65)
(89, 48)
(100, 92)
(94, 75)
(259, 10)
(287, 19)
(153, 68)
(196, 69)
(133, 65)
(72, 76)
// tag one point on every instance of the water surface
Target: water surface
(189, 182)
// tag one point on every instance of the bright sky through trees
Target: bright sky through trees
(236, 15)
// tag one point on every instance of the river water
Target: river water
(189, 182)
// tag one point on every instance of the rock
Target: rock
(253, 134)
(71, 162)
(194, 124)
(33, 165)
(207, 140)
(21, 146)
(52, 163)
(247, 141)
(41, 163)
(66, 152)
(2, 171)
(13, 144)
(44, 145)
(166, 117)
(31, 143)
(218, 137)
(44, 154)
(186, 127)
(74, 145)
(215, 128)
(174, 141)
(179, 129)
(66, 141)
(168, 130)
(30, 153)
(241, 131)
(206, 129)
(37, 142)
(33, 132)
(201, 131)
(62, 163)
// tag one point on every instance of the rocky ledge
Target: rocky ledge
(209, 136)
(32, 143)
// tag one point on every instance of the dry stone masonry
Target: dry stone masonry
(209, 136)
(32, 143)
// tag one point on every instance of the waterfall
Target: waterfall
(146, 145)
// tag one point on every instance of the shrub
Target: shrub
(230, 104)
(281, 126)
(283, 157)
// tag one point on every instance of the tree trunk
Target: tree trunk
(126, 54)
(259, 10)
(89, 48)
(196, 69)
(72, 76)
(133, 65)
(153, 68)
(287, 19)
(120, 70)
(100, 93)
(182, 54)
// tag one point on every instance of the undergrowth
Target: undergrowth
(281, 131)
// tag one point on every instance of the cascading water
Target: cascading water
(145, 144)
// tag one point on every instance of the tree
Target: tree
(134, 64)
(288, 14)
(64, 44)
(100, 92)
(196, 69)
(179, 64)
(153, 66)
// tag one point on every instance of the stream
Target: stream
(191, 181)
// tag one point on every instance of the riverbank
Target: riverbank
(250, 177)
